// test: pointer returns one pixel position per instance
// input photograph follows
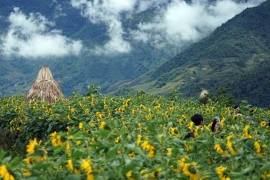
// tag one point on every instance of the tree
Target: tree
(93, 90)
(222, 96)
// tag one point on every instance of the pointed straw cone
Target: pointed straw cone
(45, 87)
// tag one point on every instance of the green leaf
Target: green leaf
(41, 166)
(60, 160)
(2, 153)
(34, 178)
(73, 177)
(248, 169)
(16, 161)
(265, 167)
(115, 163)
(112, 151)
(57, 150)
(234, 175)
(6, 159)
(77, 154)
(130, 146)
(138, 150)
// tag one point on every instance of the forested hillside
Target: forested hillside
(102, 43)
(236, 56)
(75, 73)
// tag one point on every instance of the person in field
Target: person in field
(215, 124)
(236, 110)
(250, 117)
(197, 119)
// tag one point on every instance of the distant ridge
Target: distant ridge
(236, 55)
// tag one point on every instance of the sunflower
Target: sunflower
(129, 174)
(69, 165)
(258, 148)
(102, 125)
(218, 148)
(86, 166)
(246, 132)
(32, 146)
(220, 171)
(5, 174)
(139, 139)
(230, 146)
(26, 173)
(151, 151)
(169, 151)
(144, 173)
(190, 171)
(263, 123)
(80, 125)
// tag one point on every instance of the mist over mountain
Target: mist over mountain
(102, 42)
(236, 56)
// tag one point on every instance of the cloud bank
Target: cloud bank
(175, 22)
(108, 12)
(32, 37)
(181, 22)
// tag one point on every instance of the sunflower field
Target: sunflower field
(139, 137)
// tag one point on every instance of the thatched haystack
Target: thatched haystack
(45, 87)
(203, 93)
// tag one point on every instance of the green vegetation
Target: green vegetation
(75, 73)
(222, 96)
(137, 137)
(236, 56)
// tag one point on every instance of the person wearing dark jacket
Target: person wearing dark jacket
(197, 119)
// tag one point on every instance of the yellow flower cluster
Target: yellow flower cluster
(31, 146)
(5, 174)
(220, 171)
(246, 132)
(230, 146)
(129, 174)
(56, 139)
(219, 150)
(148, 147)
(189, 170)
(258, 148)
(86, 166)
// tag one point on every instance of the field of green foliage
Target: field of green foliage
(138, 137)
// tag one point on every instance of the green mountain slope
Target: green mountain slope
(236, 55)
(75, 73)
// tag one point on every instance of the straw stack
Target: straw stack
(45, 87)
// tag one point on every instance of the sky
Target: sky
(175, 23)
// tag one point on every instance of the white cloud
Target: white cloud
(108, 12)
(143, 5)
(140, 36)
(175, 22)
(116, 44)
(179, 22)
(31, 37)
(59, 12)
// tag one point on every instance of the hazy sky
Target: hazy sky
(175, 23)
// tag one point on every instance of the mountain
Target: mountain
(236, 55)
(106, 43)
(75, 73)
